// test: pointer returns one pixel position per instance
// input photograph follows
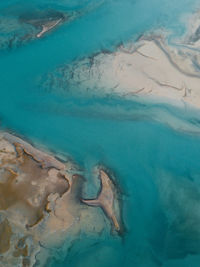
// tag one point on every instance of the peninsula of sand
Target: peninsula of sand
(41, 204)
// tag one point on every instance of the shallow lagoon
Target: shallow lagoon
(154, 157)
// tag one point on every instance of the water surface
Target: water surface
(153, 150)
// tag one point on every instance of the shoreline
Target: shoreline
(41, 203)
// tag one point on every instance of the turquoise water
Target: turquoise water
(154, 150)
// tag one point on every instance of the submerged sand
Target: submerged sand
(149, 68)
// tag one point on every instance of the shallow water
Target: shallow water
(153, 150)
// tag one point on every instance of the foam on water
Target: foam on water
(157, 167)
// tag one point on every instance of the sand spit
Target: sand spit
(149, 68)
(44, 20)
(108, 200)
(32, 24)
(48, 26)
(40, 204)
(28, 23)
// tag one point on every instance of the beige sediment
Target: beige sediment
(149, 68)
(45, 159)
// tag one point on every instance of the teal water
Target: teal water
(154, 150)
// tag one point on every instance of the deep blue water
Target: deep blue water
(154, 150)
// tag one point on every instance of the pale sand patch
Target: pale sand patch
(146, 68)
(149, 68)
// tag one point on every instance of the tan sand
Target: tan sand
(107, 200)
(40, 204)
